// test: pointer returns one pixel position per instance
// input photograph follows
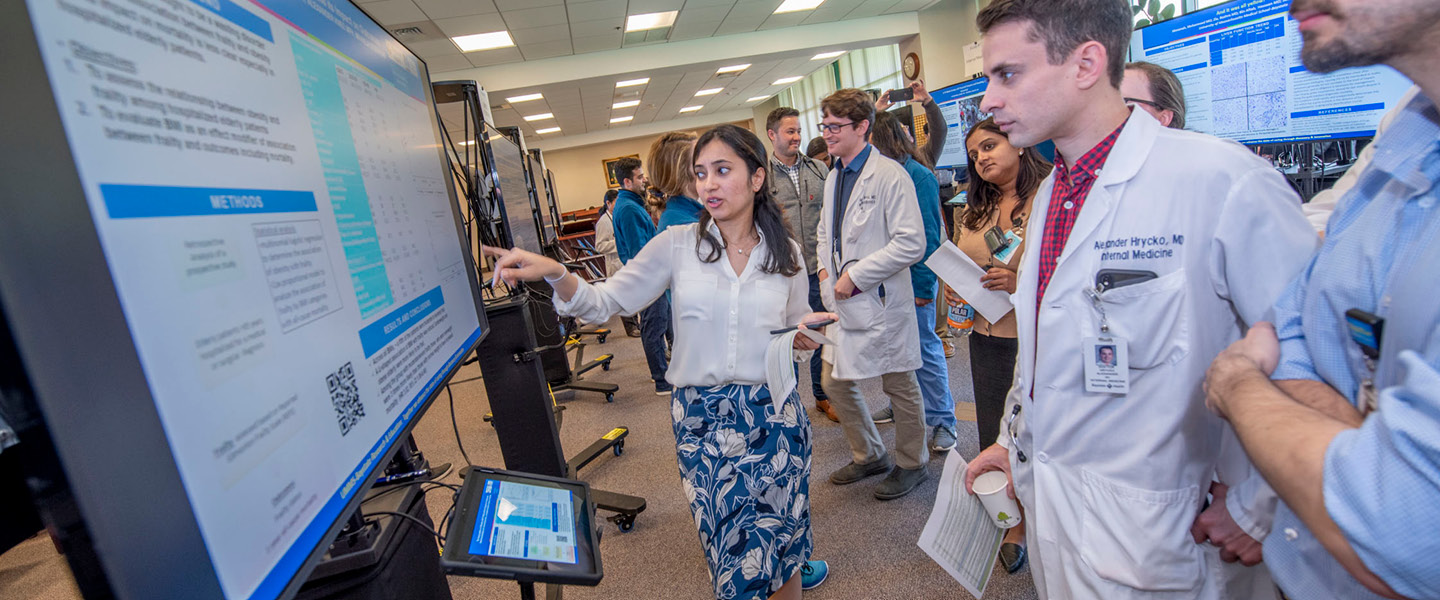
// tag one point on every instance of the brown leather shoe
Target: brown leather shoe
(824, 406)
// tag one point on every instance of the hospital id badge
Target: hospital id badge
(1008, 253)
(1107, 365)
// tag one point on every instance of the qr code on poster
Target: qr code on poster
(345, 395)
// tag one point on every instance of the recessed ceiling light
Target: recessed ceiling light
(787, 80)
(525, 98)
(709, 92)
(483, 41)
(540, 116)
(466, 143)
(798, 5)
(632, 82)
(621, 119)
(825, 55)
(626, 104)
(733, 68)
(692, 108)
(650, 21)
(547, 130)
(757, 98)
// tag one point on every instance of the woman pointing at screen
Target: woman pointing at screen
(737, 275)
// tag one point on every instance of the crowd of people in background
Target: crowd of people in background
(1267, 413)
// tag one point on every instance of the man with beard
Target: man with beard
(1339, 404)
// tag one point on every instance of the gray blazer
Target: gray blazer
(802, 211)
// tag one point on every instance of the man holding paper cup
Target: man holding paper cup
(1165, 245)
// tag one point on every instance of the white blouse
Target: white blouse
(722, 319)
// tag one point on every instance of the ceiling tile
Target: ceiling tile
(871, 8)
(739, 25)
(452, 62)
(640, 7)
(536, 35)
(433, 48)
(785, 20)
(395, 11)
(821, 15)
(508, 5)
(485, 58)
(545, 49)
(706, 13)
(598, 43)
(693, 30)
(535, 17)
(752, 9)
(457, 26)
(445, 9)
(605, 27)
(599, 9)
(689, 4)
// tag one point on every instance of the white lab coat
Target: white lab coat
(605, 243)
(883, 234)
(1112, 482)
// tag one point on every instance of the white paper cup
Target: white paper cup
(991, 487)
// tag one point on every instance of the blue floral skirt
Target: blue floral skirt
(745, 463)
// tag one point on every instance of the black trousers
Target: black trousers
(992, 370)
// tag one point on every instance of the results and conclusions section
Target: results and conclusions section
(1243, 78)
(266, 186)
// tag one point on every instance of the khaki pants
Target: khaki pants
(865, 443)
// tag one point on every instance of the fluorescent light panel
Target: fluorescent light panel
(732, 68)
(787, 80)
(709, 92)
(757, 98)
(525, 98)
(798, 5)
(828, 55)
(621, 119)
(632, 82)
(692, 108)
(626, 104)
(547, 130)
(540, 116)
(483, 41)
(649, 21)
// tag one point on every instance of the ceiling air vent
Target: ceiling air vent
(404, 32)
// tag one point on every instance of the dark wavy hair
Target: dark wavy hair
(983, 197)
(768, 219)
(889, 137)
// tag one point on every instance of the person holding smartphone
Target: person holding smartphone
(1003, 181)
(737, 275)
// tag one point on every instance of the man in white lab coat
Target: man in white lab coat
(1166, 244)
(870, 232)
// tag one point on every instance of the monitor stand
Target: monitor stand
(382, 557)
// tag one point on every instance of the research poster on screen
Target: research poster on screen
(266, 184)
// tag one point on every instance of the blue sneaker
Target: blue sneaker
(813, 573)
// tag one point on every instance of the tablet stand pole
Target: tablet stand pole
(527, 591)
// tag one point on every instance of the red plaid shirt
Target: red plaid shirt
(1072, 186)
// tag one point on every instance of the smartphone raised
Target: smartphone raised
(901, 95)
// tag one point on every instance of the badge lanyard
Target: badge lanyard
(1106, 357)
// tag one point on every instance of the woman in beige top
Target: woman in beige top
(1003, 181)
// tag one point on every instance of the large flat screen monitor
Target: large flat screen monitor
(542, 197)
(1240, 65)
(233, 266)
(960, 103)
(515, 191)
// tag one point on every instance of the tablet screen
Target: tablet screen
(519, 520)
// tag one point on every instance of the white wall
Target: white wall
(945, 29)
(579, 176)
